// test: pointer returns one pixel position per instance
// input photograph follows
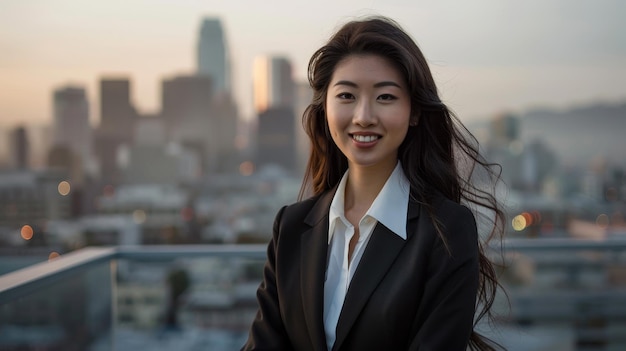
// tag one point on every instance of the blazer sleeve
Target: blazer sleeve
(450, 294)
(268, 331)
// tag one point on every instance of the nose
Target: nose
(364, 114)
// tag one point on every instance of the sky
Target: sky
(488, 56)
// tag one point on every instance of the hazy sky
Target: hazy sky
(488, 56)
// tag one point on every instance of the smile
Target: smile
(365, 138)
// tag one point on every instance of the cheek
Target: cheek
(400, 123)
(401, 120)
(334, 120)
(334, 131)
(399, 130)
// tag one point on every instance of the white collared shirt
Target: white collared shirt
(389, 208)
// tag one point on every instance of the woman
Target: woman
(383, 256)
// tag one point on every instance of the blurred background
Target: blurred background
(145, 147)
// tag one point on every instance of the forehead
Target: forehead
(366, 68)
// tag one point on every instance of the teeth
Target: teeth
(365, 138)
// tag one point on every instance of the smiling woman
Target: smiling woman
(385, 255)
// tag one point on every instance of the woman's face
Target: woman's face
(368, 110)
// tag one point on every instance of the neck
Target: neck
(364, 184)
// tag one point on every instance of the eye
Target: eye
(387, 97)
(345, 96)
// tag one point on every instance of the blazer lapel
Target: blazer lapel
(314, 249)
(380, 253)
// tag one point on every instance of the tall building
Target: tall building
(225, 119)
(201, 121)
(71, 122)
(186, 105)
(273, 83)
(117, 124)
(214, 62)
(213, 58)
(19, 148)
(117, 113)
(276, 143)
(304, 95)
(188, 115)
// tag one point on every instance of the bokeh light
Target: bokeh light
(602, 221)
(27, 232)
(53, 255)
(529, 218)
(246, 168)
(64, 188)
(139, 216)
(519, 223)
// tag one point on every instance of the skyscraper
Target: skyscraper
(187, 102)
(276, 144)
(213, 59)
(187, 113)
(273, 83)
(304, 95)
(19, 148)
(194, 117)
(117, 113)
(71, 122)
(274, 103)
(117, 124)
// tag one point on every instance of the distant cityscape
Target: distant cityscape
(196, 172)
(165, 170)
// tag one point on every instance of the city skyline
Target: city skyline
(486, 56)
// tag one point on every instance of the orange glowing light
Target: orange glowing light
(27, 232)
(246, 168)
(528, 217)
(536, 217)
(64, 188)
(53, 255)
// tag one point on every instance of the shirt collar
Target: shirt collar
(390, 207)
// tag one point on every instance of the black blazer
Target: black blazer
(405, 294)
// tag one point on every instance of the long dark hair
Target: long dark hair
(437, 155)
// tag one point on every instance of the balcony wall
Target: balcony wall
(562, 295)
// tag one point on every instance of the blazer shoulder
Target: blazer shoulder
(310, 211)
(458, 223)
(299, 211)
(445, 208)
(301, 207)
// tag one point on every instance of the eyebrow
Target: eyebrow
(377, 85)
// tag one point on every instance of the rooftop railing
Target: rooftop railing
(564, 294)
